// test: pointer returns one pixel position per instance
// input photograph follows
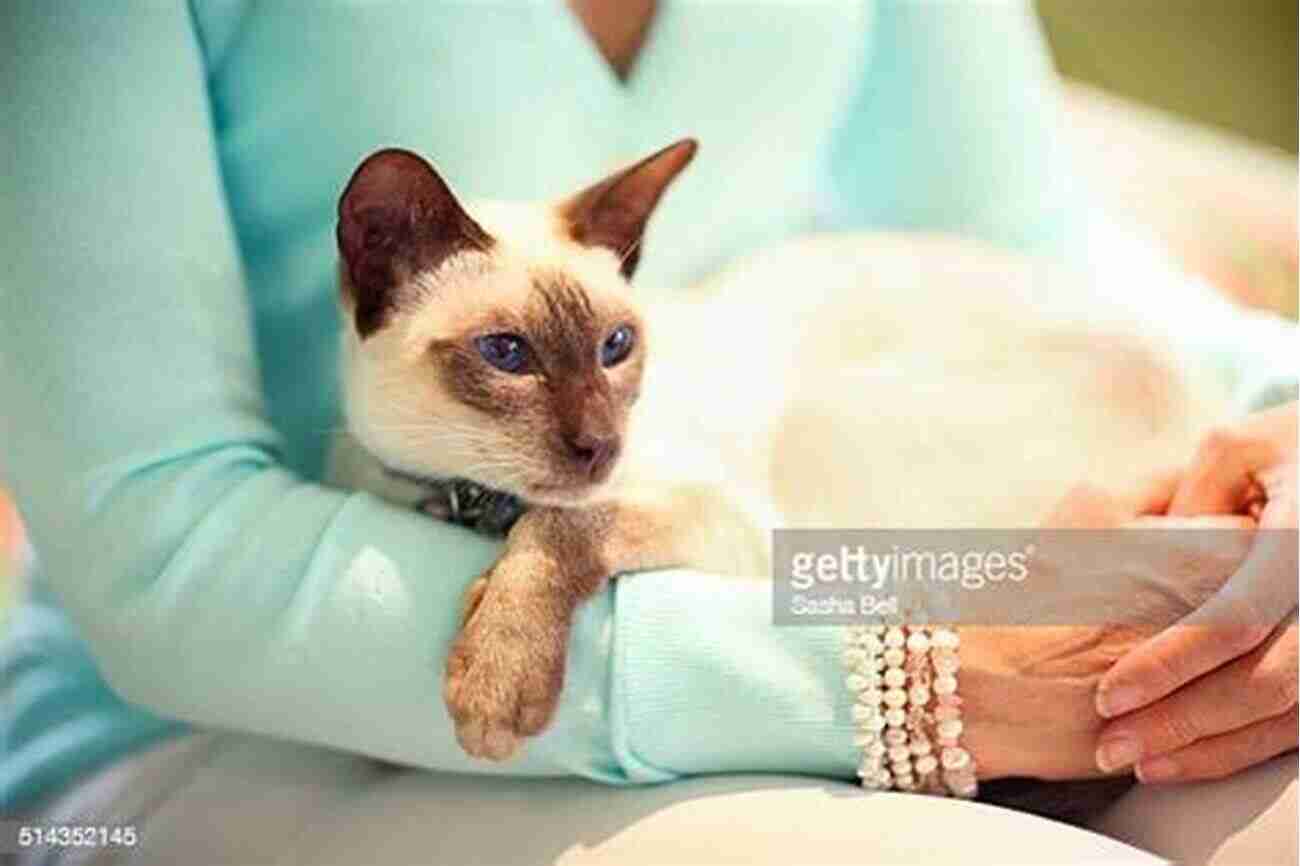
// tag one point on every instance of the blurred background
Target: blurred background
(1184, 115)
(1227, 63)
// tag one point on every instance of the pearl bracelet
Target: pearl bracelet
(906, 712)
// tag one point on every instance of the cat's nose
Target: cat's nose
(594, 454)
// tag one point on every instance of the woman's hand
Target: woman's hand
(1030, 691)
(1217, 693)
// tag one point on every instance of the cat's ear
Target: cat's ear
(397, 217)
(613, 212)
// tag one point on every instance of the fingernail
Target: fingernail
(1118, 701)
(1157, 770)
(1117, 753)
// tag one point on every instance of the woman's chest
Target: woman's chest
(513, 100)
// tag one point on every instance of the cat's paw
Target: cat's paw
(505, 672)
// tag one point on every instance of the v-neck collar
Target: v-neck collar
(585, 44)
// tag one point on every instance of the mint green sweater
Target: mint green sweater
(168, 335)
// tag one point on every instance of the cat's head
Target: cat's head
(503, 347)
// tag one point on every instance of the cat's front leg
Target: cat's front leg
(505, 670)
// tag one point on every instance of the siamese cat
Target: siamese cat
(498, 366)
(506, 348)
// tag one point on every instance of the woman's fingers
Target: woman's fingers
(1225, 754)
(1221, 477)
(1155, 494)
(1232, 622)
(1258, 686)
(1208, 697)
(1087, 506)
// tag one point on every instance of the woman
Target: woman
(169, 339)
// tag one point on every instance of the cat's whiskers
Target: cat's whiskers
(626, 254)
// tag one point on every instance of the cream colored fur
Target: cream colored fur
(904, 381)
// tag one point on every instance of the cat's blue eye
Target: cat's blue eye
(506, 352)
(617, 346)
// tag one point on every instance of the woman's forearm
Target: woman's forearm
(705, 682)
